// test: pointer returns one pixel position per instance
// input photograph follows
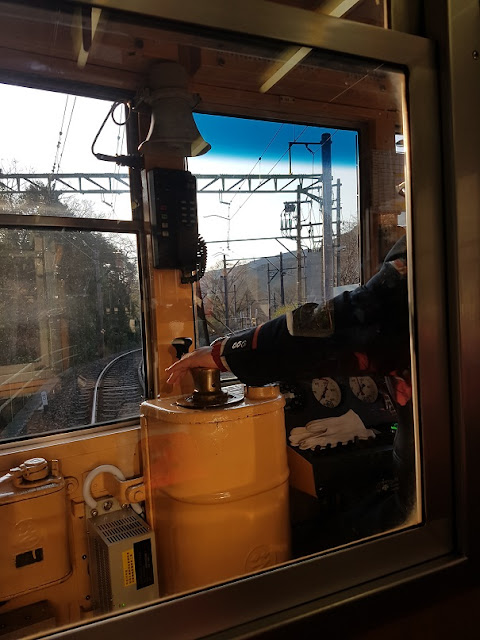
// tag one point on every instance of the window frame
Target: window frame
(388, 559)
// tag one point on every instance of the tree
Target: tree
(236, 303)
(101, 294)
(349, 254)
(64, 294)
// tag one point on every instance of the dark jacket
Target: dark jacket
(360, 331)
(357, 332)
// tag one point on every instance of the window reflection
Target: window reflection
(347, 388)
(365, 11)
(69, 305)
(69, 313)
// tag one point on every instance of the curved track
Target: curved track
(119, 388)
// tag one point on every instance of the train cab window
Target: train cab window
(50, 163)
(70, 327)
(266, 178)
(269, 203)
(280, 211)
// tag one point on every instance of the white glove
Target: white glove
(320, 433)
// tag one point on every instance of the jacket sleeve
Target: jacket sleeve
(365, 330)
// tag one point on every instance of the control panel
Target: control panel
(173, 198)
(350, 474)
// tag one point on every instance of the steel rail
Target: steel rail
(99, 380)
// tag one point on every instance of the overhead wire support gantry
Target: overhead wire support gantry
(116, 183)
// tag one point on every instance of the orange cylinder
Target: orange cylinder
(217, 481)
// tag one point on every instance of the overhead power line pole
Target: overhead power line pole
(282, 287)
(339, 210)
(225, 289)
(299, 248)
(327, 215)
(268, 292)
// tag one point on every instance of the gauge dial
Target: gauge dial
(327, 392)
(364, 388)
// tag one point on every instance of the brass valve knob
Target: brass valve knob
(208, 389)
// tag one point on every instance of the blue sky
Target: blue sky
(244, 146)
(250, 138)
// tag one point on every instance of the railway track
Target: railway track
(119, 389)
(97, 393)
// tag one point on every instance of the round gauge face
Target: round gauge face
(364, 388)
(327, 392)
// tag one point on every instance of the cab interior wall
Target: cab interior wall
(327, 90)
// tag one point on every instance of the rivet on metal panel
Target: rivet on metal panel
(71, 484)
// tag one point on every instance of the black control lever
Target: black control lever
(181, 345)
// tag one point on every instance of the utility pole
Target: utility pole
(268, 292)
(100, 303)
(235, 306)
(282, 289)
(299, 248)
(225, 289)
(327, 215)
(339, 210)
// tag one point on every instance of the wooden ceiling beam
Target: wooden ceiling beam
(230, 101)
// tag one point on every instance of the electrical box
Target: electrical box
(122, 561)
(173, 202)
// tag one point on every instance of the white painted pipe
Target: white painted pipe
(103, 468)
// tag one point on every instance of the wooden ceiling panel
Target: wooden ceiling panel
(307, 82)
(309, 5)
(366, 11)
(43, 43)
(281, 108)
(36, 36)
(351, 94)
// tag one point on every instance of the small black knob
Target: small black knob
(181, 346)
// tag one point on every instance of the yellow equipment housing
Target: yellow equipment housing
(217, 488)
